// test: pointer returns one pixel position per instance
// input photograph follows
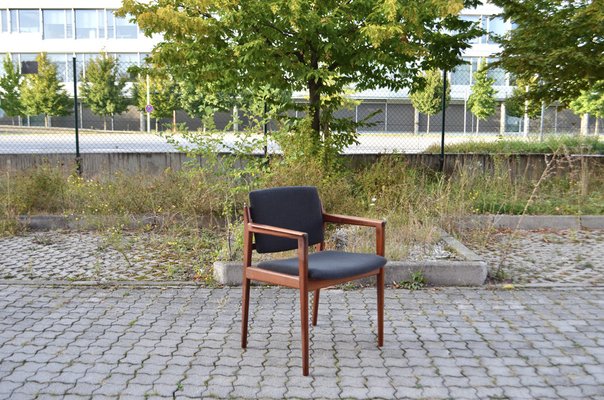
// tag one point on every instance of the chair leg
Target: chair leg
(304, 329)
(380, 307)
(315, 307)
(245, 307)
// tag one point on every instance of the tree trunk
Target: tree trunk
(314, 98)
(112, 122)
(104, 122)
(173, 121)
(156, 125)
(597, 127)
(477, 125)
(314, 108)
(46, 120)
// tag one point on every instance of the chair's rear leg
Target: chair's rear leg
(245, 308)
(304, 329)
(380, 307)
(315, 307)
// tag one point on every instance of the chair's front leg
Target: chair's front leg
(304, 328)
(245, 298)
(303, 281)
(245, 309)
(380, 306)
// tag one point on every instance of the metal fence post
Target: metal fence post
(442, 133)
(265, 128)
(78, 159)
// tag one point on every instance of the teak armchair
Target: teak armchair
(288, 218)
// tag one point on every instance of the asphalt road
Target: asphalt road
(64, 142)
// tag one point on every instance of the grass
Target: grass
(552, 144)
(198, 211)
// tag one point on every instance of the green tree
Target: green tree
(591, 102)
(558, 41)
(43, 93)
(428, 100)
(10, 83)
(322, 47)
(482, 100)
(520, 102)
(102, 88)
(163, 92)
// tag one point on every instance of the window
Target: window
(24, 57)
(124, 29)
(498, 74)
(57, 24)
(110, 24)
(496, 27)
(90, 24)
(125, 61)
(25, 21)
(3, 21)
(60, 61)
(461, 74)
(143, 58)
(477, 19)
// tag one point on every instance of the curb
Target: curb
(472, 271)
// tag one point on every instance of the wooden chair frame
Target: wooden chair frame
(302, 282)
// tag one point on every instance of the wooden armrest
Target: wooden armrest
(276, 231)
(349, 220)
(301, 237)
(379, 225)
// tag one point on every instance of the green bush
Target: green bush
(565, 144)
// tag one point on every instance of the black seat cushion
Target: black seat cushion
(328, 264)
(291, 207)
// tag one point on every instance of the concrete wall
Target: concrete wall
(107, 164)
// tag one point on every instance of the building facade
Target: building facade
(73, 28)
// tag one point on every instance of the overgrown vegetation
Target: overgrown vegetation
(566, 144)
(413, 200)
(192, 217)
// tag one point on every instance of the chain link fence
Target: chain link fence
(392, 123)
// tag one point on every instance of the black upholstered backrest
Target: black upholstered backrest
(291, 207)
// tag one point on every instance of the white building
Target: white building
(83, 29)
(69, 28)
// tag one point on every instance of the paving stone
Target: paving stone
(575, 257)
(277, 374)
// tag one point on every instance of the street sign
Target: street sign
(149, 108)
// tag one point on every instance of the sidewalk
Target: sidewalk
(184, 342)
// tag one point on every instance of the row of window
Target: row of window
(64, 62)
(68, 24)
(464, 73)
(494, 26)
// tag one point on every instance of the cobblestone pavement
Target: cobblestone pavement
(566, 256)
(85, 256)
(182, 342)
(525, 256)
